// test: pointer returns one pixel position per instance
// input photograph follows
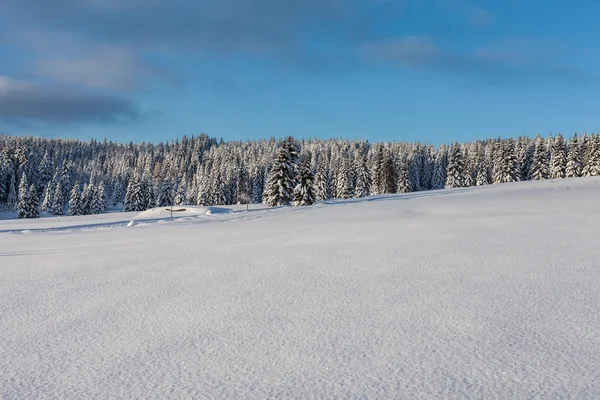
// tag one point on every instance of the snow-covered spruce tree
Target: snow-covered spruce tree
(75, 200)
(404, 184)
(33, 205)
(23, 206)
(95, 205)
(455, 171)
(506, 167)
(57, 207)
(47, 201)
(539, 164)
(12, 198)
(281, 181)
(322, 180)
(343, 184)
(378, 179)
(243, 186)
(86, 198)
(558, 158)
(389, 172)
(593, 167)
(524, 152)
(574, 165)
(102, 198)
(180, 195)
(45, 171)
(363, 178)
(165, 197)
(118, 194)
(438, 180)
(304, 192)
(135, 198)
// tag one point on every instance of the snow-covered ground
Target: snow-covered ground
(480, 293)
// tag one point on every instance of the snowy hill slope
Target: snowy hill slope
(488, 292)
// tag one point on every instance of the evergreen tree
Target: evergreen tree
(558, 158)
(135, 198)
(404, 184)
(33, 205)
(12, 198)
(363, 178)
(389, 173)
(164, 195)
(322, 180)
(102, 198)
(304, 193)
(455, 176)
(281, 182)
(47, 201)
(86, 199)
(574, 167)
(23, 207)
(75, 201)
(539, 164)
(57, 206)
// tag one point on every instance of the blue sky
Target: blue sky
(428, 70)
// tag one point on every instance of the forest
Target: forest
(74, 177)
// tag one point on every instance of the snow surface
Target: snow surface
(489, 292)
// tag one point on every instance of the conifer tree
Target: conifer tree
(57, 206)
(23, 207)
(363, 178)
(75, 200)
(33, 205)
(539, 164)
(404, 184)
(574, 167)
(281, 181)
(322, 180)
(102, 198)
(558, 158)
(304, 193)
(164, 195)
(455, 171)
(12, 198)
(47, 201)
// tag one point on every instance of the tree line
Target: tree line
(74, 177)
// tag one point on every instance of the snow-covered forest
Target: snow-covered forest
(74, 177)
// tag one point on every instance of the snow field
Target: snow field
(488, 292)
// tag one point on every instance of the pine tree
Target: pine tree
(23, 207)
(12, 197)
(389, 173)
(86, 199)
(558, 158)
(180, 196)
(57, 206)
(343, 182)
(539, 164)
(304, 193)
(165, 197)
(102, 198)
(455, 171)
(574, 167)
(593, 166)
(33, 205)
(281, 181)
(75, 200)
(363, 178)
(322, 180)
(47, 202)
(404, 184)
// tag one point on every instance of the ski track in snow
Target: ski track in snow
(474, 293)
